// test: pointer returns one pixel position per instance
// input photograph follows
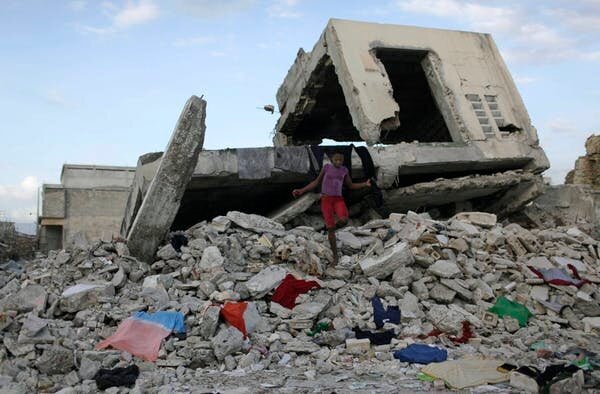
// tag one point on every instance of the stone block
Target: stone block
(228, 341)
(383, 266)
(358, 346)
(444, 269)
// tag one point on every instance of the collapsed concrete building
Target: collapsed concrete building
(438, 111)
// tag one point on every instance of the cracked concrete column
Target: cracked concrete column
(161, 203)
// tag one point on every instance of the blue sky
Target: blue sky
(102, 82)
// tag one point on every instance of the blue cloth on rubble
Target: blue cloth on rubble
(382, 316)
(421, 354)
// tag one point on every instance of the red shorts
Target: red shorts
(331, 205)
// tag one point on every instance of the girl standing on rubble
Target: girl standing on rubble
(331, 178)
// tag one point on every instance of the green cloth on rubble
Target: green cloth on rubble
(506, 307)
(584, 364)
(424, 377)
(318, 328)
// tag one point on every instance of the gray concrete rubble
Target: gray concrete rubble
(161, 202)
(59, 306)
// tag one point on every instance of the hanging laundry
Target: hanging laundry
(382, 316)
(242, 315)
(142, 334)
(505, 307)
(117, 377)
(290, 288)
(559, 277)
(421, 354)
(376, 338)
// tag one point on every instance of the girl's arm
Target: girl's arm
(310, 186)
(353, 186)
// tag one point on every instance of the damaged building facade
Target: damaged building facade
(442, 120)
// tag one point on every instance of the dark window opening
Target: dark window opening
(420, 117)
(328, 116)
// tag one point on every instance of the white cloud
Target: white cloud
(284, 9)
(55, 97)
(529, 32)
(135, 14)
(207, 9)
(561, 125)
(193, 41)
(26, 189)
(132, 14)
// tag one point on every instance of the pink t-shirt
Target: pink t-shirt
(333, 180)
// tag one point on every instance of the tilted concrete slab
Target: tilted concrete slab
(467, 78)
(161, 202)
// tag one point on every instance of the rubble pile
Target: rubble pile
(470, 286)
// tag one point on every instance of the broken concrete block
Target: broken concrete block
(162, 200)
(265, 281)
(523, 382)
(258, 224)
(119, 279)
(211, 259)
(510, 324)
(55, 360)
(83, 295)
(539, 293)
(383, 266)
(90, 364)
(349, 239)
(209, 322)
(308, 310)
(358, 346)
(409, 306)
(442, 294)
(228, 341)
(444, 269)
(167, 252)
(295, 208)
(403, 276)
(482, 219)
(32, 297)
(455, 284)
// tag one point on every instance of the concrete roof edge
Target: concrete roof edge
(333, 21)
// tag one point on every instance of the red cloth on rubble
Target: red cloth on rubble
(242, 315)
(290, 288)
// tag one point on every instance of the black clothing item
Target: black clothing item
(178, 240)
(367, 161)
(116, 377)
(376, 338)
(553, 371)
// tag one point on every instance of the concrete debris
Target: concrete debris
(451, 273)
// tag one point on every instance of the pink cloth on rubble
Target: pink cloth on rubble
(138, 338)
